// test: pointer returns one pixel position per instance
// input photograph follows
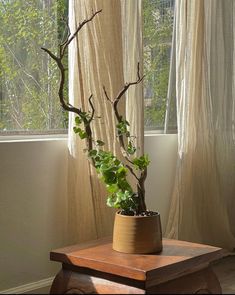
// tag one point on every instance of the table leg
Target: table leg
(70, 282)
(200, 282)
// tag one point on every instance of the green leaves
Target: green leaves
(122, 128)
(78, 121)
(124, 200)
(82, 133)
(113, 173)
(85, 117)
(157, 33)
(100, 143)
(108, 174)
(29, 80)
(92, 153)
(131, 149)
(142, 162)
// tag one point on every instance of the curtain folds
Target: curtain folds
(203, 202)
(99, 56)
(133, 46)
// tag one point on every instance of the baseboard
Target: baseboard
(31, 287)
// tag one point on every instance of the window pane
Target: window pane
(28, 77)
(158, 17)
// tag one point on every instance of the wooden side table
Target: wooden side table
(94, 268)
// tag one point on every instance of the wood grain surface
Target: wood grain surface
(177, 259)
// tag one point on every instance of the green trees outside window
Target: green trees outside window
(158, 16)
(29, 79)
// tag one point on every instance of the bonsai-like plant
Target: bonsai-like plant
(112, 171)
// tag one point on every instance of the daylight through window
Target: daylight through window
(28, 77)
(158, 17)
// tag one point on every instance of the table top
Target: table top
(176, 259)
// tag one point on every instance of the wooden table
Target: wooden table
(94, 268)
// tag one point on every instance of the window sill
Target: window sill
(159, 133)
(56, 137)
(32, 138)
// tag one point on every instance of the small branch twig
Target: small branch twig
(92, 108)
(106, 95)
(65, 21)
(132, 172)
(115, 103)
(70, 39)
(127, 85)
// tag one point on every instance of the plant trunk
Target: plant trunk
(141, 192)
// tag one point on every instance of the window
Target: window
(158, 17)
(28, 77)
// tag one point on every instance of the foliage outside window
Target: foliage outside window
(158, 16)
(28, 78)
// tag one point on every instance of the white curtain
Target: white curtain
(203, 202)
(101, 55)
(133, 53)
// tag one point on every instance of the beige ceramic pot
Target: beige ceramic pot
(137, 234)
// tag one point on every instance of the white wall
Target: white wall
(162, 150)
(32, 209)
(33, 203)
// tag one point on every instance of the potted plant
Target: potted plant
(136, 230)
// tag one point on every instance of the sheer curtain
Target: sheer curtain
(203, 201)
(96, 58)
(133, 48)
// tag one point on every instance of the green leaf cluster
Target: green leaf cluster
(78, 130)
(100, 142)
(131, 149)
(122, 128)
(85, 116)
(113, 173)
(141, 163)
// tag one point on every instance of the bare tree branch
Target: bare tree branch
(127, 85)
(115, 103)
(68, 34)
(106, 95)
(87, 120)
(132, 172)
(50, 53)
(70, 39)
(92, 108)
(59, 60)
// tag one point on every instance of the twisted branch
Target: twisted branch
(92, 109)
(59, 61)
(87, 121)
(115, 102)
(64, 46)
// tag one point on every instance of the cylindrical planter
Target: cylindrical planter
(137, 234)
